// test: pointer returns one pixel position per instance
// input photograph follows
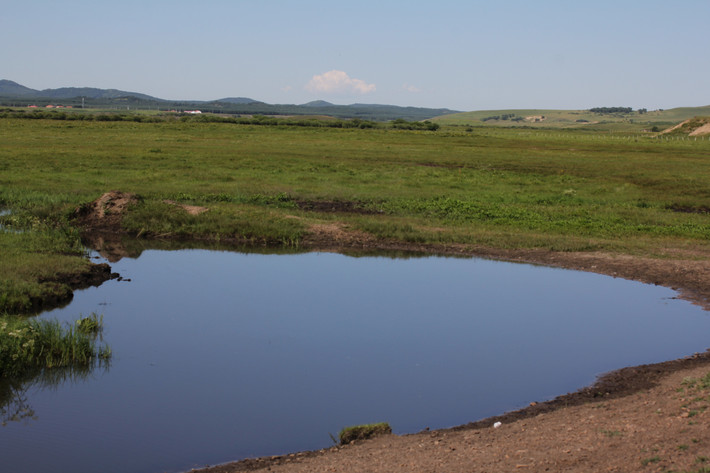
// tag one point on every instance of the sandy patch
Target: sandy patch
(702, 130)
(191, 209)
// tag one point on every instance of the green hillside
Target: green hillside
(608, 118)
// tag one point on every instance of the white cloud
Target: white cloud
(287, 88)
(333, 82)
(411, 88)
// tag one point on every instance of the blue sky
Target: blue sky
(464, 55)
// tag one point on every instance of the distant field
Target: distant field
(633, 121)
(559, 190)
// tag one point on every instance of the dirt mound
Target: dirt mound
(335, 236)
(106, 212)
(675, 127)
(701, 130)
(696, 126)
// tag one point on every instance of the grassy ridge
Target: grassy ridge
(633, 121)
(562, 190)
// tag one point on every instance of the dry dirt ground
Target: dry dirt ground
(645, 418)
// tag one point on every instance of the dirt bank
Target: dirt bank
(63, 287)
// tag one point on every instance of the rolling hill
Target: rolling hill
(9, 88)
(14, 94)
(571, 118)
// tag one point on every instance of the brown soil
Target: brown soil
(701, 130)
(635, 419)
(675, 127)
(191, 209)
(106, 212)
(702, 127)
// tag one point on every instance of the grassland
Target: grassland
(635, 121)
(556, 190)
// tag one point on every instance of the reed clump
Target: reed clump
(28, 345)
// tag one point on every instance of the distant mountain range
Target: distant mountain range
(9, 89)
(11, 92)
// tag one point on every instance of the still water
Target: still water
(220, 356)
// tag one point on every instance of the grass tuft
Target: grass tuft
(654, 459)
(363, 432)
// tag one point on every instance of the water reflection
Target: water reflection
(221, 355)
(15, 394)
(113, 247)
(3, 213)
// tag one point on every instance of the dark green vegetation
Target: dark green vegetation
(611, 110)
(363, 432)
(262, 120)
(270, 185)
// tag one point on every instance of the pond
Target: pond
(220, 355)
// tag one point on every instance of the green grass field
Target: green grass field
(562, 190)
